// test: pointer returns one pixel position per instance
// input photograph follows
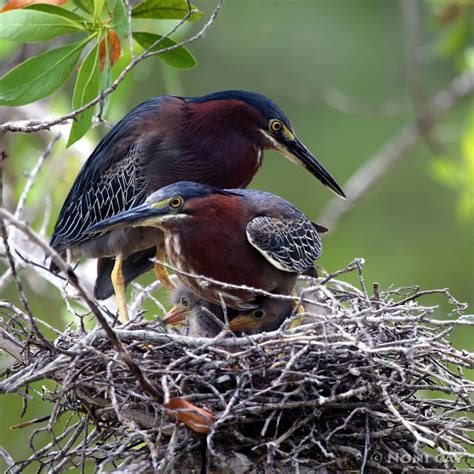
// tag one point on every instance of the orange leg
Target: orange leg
(160, 271)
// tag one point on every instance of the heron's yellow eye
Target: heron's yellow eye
(275, 125)
(259, 314)
(184, 301)
(176, 202)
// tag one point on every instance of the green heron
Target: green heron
(217, 139)
(220, 240)
(202, 318)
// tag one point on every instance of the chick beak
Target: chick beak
(242, 323)
(176, 315)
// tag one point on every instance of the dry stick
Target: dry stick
(6, 277)
(67, 270)
(11, 346)
(35, 126)
(224, 285)
(375, 287)
(32, 176)
(21, 294)
(342, 102)
(409, 425)
(378, 166)
(412, 46)
(412, 23)
(6, 457)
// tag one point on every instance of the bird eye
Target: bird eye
(176, 202)
(259, 314)
(184, 301)
(275, 125)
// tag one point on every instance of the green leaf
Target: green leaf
(106, 80)
(29, 26)
(119, 19)
(98, 8)
(86, 89)
(165, 10)
(40, 75)
(456, 37)
(179, 58)
(85, 5)
(54, 10)
(445, 171)
(3, 4)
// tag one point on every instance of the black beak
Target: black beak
(143, 215)
(304, 158)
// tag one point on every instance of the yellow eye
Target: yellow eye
(275, 125)
(259, 314)
(176, 202)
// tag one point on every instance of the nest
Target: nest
(367, 382)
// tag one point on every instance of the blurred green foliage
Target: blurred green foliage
(458, 172)
(415, 228)
(105, 24)
(454, 23)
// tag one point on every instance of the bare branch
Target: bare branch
(366, 177)
(33, 175)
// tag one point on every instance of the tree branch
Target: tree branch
(367, 176)
(35, 126)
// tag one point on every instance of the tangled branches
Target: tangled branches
(365, 382)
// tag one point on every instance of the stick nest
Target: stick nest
(367, 382)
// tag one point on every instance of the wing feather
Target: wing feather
(114, 177)
(119, 189)
(291, 245)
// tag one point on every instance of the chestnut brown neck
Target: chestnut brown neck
(222, 136)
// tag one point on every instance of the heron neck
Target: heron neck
(224, 150)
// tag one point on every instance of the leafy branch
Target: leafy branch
(106, 24)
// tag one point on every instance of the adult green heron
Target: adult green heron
(204, 319)
(217, 139)
(220, 240)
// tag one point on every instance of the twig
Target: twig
(32, 176)
(35, 126)
(414, 70)
(366, 177)
(146, 385)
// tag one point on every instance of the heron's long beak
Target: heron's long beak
(141, 216)
(296, 152)
(176, 315)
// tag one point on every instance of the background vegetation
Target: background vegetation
(349, 74)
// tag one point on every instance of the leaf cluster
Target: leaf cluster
(99, 30)
(454, 20)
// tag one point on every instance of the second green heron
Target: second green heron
(226, 245)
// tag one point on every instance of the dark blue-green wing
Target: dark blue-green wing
(114, 178)
(291, 245)
(122, 186)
